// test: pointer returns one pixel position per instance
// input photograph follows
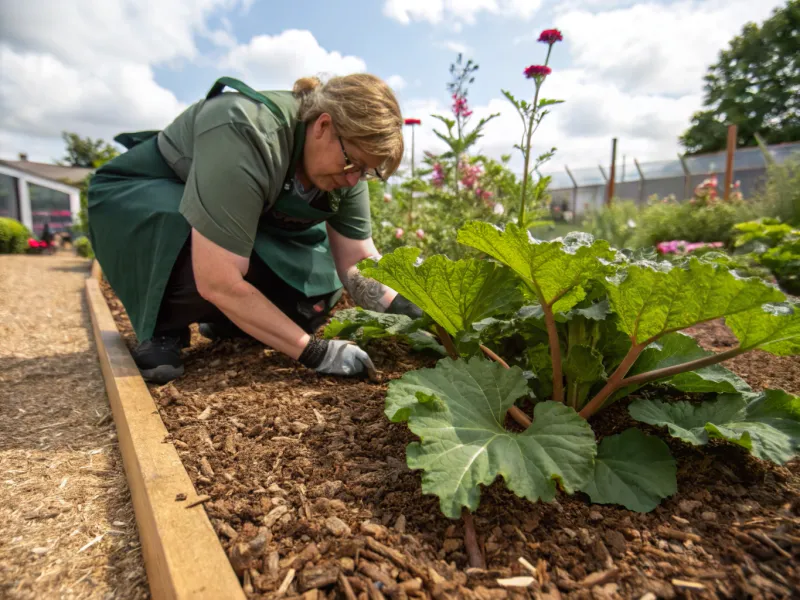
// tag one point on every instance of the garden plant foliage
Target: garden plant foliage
(581, 325)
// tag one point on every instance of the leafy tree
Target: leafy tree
(754, 85)
(86, 152)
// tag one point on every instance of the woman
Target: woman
(247, 214)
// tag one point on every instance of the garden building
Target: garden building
(37, 193)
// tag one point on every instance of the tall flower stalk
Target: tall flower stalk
(532, 115)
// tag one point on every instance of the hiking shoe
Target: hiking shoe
(221, 331)
(159, 358)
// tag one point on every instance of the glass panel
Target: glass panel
(748, 158)
(8, 197)
(559, 181)
(49, 206)
(706, 163)
(784, 151)
(662, 168)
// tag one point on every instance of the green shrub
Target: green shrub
(665, 220)
(774, 245)
(13, 236)
(84, 247)
(617, 224)
(781, 195)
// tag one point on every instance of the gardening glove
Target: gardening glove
(337, 357)
(403, 306)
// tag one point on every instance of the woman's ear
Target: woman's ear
(322, 125)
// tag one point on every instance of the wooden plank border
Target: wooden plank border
(182, 553)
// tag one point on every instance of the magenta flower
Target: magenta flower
(413, 122)
(550, 36)
(460, 108)
(535, 71)
(438, 175)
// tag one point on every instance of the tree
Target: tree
(86, 152)
(754, 85)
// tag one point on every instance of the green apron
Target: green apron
(137, 231)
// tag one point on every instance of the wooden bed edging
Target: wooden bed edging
(182, 554)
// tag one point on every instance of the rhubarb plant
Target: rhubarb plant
(569, 327)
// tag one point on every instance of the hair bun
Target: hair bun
(305, 85)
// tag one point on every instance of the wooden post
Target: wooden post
(574, 195)
(641, 180)
(611, 180)
(686, 177)
(729, 161)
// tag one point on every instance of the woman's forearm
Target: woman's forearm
(254, 314)
(367, 293)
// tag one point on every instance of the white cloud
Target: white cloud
(455, 46)
(656, 48)
(456, 11)
(277, 61)
(87, 66)
(396, 82)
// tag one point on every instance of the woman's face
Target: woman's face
(326, 156)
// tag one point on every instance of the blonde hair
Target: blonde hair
(364, 111)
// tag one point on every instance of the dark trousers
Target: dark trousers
(182, 305)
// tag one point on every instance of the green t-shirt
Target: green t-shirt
(234, 155)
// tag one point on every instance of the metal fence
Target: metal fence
(581, 190)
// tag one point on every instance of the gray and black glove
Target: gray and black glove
(403, 306)
(337, 357)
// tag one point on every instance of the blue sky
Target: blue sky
(631, 70)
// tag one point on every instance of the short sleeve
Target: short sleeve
(228, 185)
(353, 219)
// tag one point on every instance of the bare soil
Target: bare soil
(310, 494)
(66, 521)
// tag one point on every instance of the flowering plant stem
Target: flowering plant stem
(529, 128)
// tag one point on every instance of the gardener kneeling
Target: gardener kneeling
(248, 213)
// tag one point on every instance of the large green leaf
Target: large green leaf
(767, 424)
(454, 293)
(458, 409)
(347, 322)
(634, 470)
(361, 326)
(771, 327)
(652, 299)
(678, 348)
(557, 272)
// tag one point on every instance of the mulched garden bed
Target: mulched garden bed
(309, 485)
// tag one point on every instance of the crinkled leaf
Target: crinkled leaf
(634, 470)
(678, 348)
(347, 322)
(583, 367)
(771, 327)
(557, 272)
(458, 409)
(454, 293)
(767, 424)
(584, 364)
(651, 299)
(362, 325)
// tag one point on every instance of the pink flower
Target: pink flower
(460, 108)
(413, 122)
(398, 233)
(535, 71)
(387, 198)
(470, 174)
(420, 233)
(438, 175)
(550, 36)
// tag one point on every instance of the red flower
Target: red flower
(413, 122)
(537, 71)
(460, 107)
(550, 36)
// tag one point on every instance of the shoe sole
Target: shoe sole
(161, 374)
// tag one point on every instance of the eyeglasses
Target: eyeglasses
(365, 172)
